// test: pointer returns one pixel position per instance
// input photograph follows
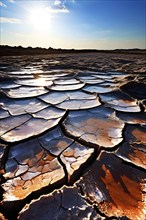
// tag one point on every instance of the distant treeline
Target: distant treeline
(19, 50)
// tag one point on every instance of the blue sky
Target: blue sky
(80, 24)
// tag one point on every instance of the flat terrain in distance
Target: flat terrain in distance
(73, 136)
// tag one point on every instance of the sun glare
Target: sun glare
(40, 18)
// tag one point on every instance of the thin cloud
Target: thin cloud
(57, 10)
(10, 20)
(57, 2)
(58, 7)
(2, 4)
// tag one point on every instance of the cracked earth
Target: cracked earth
(73, 137)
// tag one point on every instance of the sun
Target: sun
(40, 18)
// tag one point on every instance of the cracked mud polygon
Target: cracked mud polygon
(73, 137)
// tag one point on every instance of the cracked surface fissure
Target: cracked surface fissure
(78, 132)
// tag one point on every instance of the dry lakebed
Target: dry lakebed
(73, 137)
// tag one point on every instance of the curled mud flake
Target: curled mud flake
(67, 203)
(91, 81)
(59, 97)
(80, 95)
(12, 122)
(23, 106)
(134, 148)
(120, 101)
(97, 89)
(24, 92)
(49, 113)
(54, 97)
(75, 156)
(33, 127)
(11, 168)
(8, 85)
(98, 127)
(126, 109)
(35, 82)
(104, 76)
(110, 84)
(21, 169)
(55, 141)
(67, 87)
(116, 188)
(85, 76)
(21, 158)
(67, 82)
(35, 168)
(79, 104)
(4, 114)
(133, 153)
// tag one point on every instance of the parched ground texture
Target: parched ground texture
(73, 137)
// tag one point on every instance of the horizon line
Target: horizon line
(51, 48)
